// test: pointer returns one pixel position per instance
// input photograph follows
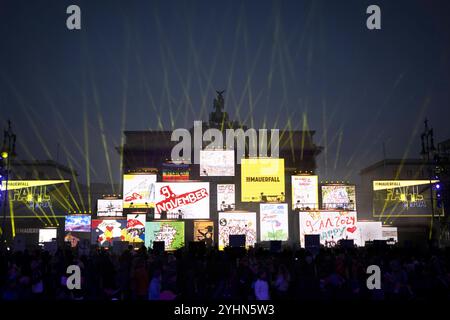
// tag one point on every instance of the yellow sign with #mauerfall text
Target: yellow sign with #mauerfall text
(262, 180)
(21, 184)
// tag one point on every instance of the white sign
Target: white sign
(109, 208)
(218, 163)
(368, 231)
(390, 233)
(305, 192)
(332, 226)
(237, 223)
(139, 190)
(47, 235)
(225, 197)
(190, 200)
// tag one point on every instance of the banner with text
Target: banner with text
(188, 200)
(332, 226)
(262, 180)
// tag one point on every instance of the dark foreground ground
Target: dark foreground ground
(335, 274)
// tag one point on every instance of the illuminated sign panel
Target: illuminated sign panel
(78, 223)
(341, 197)
(403, 198)
(331, 226)
(105, 232)
(368, 231)
(305, 192)
(37, 194)
(171, 232)
(204, 231)
(216, 163)
(274, 221)
(175, 172)
(237, 223)
(262, 180)
(190, 200)
(47, 235)
(136, 227)
(391, 184)
(225, 197)
(139, 190)
(109, 208)
(390, 233)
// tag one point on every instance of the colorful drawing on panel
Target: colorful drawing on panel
(105, 232)
(135, 228)
(204, 231)
(139, 190)
(341, 197)
(78, 223)
(170, 232)
(274, 222)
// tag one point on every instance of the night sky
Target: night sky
(138, 65)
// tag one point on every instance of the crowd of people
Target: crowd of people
(210, 275)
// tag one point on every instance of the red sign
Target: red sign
(172, 201)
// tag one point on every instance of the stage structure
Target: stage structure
(226, 192)
(257, 197)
